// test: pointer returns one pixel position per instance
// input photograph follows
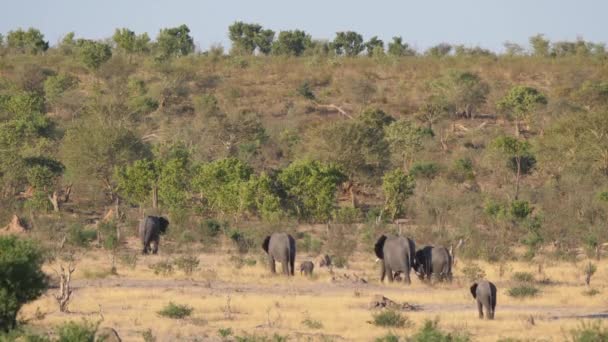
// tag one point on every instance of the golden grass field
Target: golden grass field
(263, 304)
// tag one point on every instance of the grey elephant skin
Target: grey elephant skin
(280, 247)
(150, 229)
(397, 255)
(434, 262)
(485, 294)
(307, 267)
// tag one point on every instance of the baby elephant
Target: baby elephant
(485, 294)
(307, 267)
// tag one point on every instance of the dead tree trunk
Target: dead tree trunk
(65, 290)
(54, 198)
(66, 193)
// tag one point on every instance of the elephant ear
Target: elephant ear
(474, 290)
(265, 243)
(379, 247)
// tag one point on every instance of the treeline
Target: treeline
(251, 38)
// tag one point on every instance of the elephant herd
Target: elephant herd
(397, 256)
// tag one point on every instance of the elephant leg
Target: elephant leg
(155, 248)
(292, 262)
(406, 277)
(272, 265)
(382, 272)
(389, 274)
(285, 266)
(480, 309)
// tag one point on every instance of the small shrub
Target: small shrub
(76, 332)
(176, 311)
(390, 337)
(339, 261)
(347, 215)
(390, 318)
(473, 272)
(523, 291)
(188, 263)
(242, 242)
(210, 228)
(589, 332)
(163, 267)
(148, 336)
(311, 323)
(520, 209)
(224, 332)
(591, 292)
(523, 277)
(430, 332)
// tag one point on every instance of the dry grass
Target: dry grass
(249, 300)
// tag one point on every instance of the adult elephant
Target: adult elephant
(433, 262)
(485, 294)
(397, 255)
(150, 229)
(281, 247)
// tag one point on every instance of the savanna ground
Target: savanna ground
(228, 291)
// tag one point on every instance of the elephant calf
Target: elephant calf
(150, 230)
(280, 247)
(485, 294)
(306, 267)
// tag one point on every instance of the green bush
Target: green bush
(347, 215)
(524, 277)
(224, 332)
(424, 170)
(430, 332)
(176, 311)
(312, 324)
(520, 209)
(21, 277)
(523, 291)
(390, 318)
(210, 228)
(76, 332)
(187, 263)
(390, 337)
(589, 332)
(148, 336)
(79, 236)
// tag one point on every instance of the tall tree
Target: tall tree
(464, 91)
(348, 43)
(374, 44)
(247, 37)
(174, 42)
(30, 41)
(399, 48)
(291, 43)
(520, 103)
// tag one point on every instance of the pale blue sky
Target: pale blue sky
(421, 23)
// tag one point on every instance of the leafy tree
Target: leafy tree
(434, 109)
(291, 43)
(357, 145)
(93, 54)
(174, 42)
(405, 139)
(42, 175)
(520, 103)
(129, 42)
(55, 86)
(515, 150)
(247, 37)
(463, 51)
(540, 46)
(440, 50)
(372, 44)
(222, 184)
(513, 49)
(264, 192)
(310, 187)
(348, 43)
(464, 91)
(398, 48)
(30, 41)
(21, 277)
(397, 187)
(92, 149)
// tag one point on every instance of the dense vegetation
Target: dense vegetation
(463, 142)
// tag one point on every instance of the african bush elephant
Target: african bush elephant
(433, 262)
(397, 255)
(281, 247)
(485, 294)
(307, 267)
(150, 229)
